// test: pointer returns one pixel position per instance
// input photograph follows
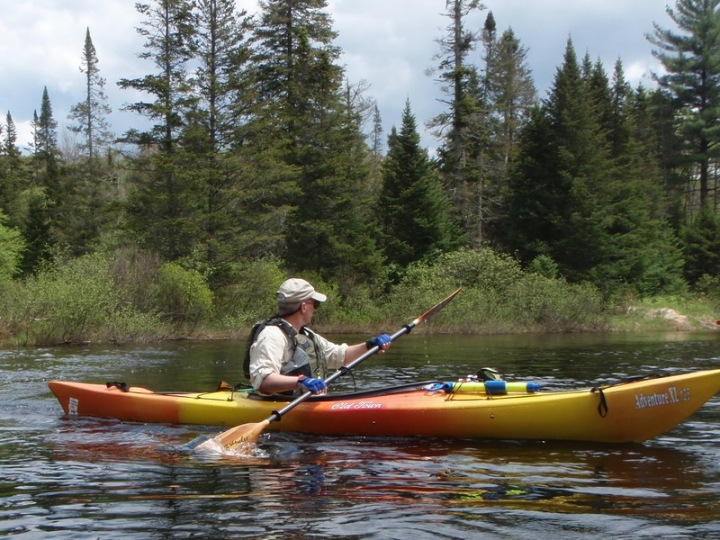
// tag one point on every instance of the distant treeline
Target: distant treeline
(264, 160)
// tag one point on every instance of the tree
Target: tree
(232, 174)
(377, 131)
(9, 146)
(46, 129)
(13, 175)
(412, 206)
(692, 75)
(701, 246)
(461, 127)
(11, 247)
(511, 97)
(585, 192)
(169, 29)
(90, 114)
(561, 179)
(641, 252)
(162, 205)
(46, 157)
(302, 113)
(221, 80)
(37, 235)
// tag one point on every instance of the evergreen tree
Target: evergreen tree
(413, 208)
(169, 29)
(37, 235)
(83, 213)
(221, 79)
(46, 129)
(46, 157)
(462, 127)
(641, 253)
(511, 97)
(567, 166)
(13, 176)
(162, 206)
(585, 191)
(9, 146)
(212, 142)
(692, 75)
(301, 112)
(701, 246)
(377, 149)
(90, 114)
(377, 131)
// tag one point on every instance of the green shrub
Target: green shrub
(11, 247)
(182, 296)
(63, 304)
(497, 296)
(544, 265)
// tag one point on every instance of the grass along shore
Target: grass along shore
(128, 298)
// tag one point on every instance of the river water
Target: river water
(84, 478)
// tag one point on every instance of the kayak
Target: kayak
(629, 411)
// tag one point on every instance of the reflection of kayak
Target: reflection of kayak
(629, 411)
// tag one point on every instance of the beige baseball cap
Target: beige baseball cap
(298, 290)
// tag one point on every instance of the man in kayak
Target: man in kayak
(286, 356)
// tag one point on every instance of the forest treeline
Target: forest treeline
(262, 159)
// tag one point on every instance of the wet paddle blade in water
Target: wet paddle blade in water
(237, 437)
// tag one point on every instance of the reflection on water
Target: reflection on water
(74, 478)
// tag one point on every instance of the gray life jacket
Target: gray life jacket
(307, 358)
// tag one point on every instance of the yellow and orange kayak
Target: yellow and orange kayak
(625, 412)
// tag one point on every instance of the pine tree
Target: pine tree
(561, 180)
(377, 143)
(641, 252)
(162, 206)
(46, 156)
(10, 148)
(13, 176)
(585, 192)
(221, 79)
(701, 246)
(511, 97)
(462, 127)
(169, 28)
(90, 114)
(47, 128)
(692, 75)
(303, 114)
(231, 223)
(412, 207)
(37, 236)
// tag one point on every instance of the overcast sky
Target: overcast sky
(387, 43)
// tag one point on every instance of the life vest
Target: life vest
(307, 358)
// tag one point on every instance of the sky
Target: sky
(387, 44)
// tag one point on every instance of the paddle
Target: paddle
(250, 433)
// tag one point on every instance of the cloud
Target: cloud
(388, 44)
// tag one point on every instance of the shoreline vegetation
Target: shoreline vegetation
(132, 297)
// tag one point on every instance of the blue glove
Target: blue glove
(380, 341)
(316, 386)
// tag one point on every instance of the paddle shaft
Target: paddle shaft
(277, 415)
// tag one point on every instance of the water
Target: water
(79, 478)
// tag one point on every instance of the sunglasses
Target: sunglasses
(315, 303)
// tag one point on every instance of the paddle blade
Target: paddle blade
(240, 435)
(432, 311)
